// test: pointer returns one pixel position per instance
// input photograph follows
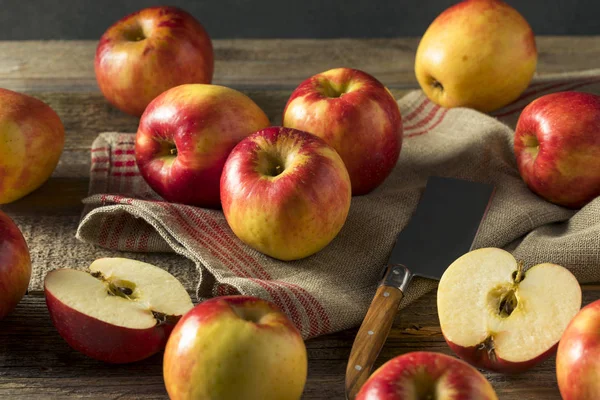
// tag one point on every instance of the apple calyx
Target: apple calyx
(436, 85)
(135, 34)
(532, 145)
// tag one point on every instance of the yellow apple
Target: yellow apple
(478, 53)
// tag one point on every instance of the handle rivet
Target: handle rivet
(358, 367)
(396, 271)
(370, 332)
(386, 294)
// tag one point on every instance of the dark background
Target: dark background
(87, 19)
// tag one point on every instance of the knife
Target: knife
(442, 228)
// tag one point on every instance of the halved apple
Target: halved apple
(119, 311)
(497, 316)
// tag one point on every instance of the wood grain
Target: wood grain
(371, 337)
(248, 63)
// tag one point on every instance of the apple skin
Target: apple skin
(148, 52)
(578, 356)
(32, 137)
(557, 146)
(419, 374)
(480, 358)
(478, 53)
(15, 265)
(296, 213)
(185, 136)
(103, 341)
(357, 116)
(217, 352)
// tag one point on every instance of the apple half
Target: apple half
(499, 317)
(119, 311)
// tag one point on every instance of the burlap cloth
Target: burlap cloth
(331, 290)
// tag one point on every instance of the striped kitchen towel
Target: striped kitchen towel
(331, 290)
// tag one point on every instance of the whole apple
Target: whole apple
(15, 265)
(285, 192)
(557, 146)
(148, 52)
(357, 116)
(185, 136)
(495, 315)
(118, 311)
(232, 348)
(426, 375)
(578, 356)
(478, 53)
(32, 137)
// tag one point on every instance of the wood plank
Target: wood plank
(274, 63)
(35, 361)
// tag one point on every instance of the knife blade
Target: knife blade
(442, 228)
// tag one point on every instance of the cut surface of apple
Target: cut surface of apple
(498, 316)
(120, 310)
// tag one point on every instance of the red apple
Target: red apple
(356, 115)
(285, 192)
(119, 311)
(185, 136)
(15, 265)
(497, 316)
(31, 142)
(148, 52)
(578, 356)
(557, 145)
(235, 347)
(426, 375)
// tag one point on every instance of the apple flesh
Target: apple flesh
(426, 375)
(578, 356)
(119, 311)
(148, 52)
(557, 146)
(497, 316)
(32, 137)
(235, 347)
(478, 53)
(285, 192)
(357, 116)
(185, 137)
(15, 265)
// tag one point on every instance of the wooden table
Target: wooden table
(34, 360)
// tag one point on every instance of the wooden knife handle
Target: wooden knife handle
(371, 337)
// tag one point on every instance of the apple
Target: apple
(185, 136)
(478, 53)
(578, 356)
(148, 52)
(497, 316)
(32, 137)
(119, 311)
(357, 116)
(232, 348)
(285, 193)
(15, 265)
(557, 146)
(426, 375)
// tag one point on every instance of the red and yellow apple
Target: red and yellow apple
(148, 52)
(357, 116)
(119, 311)
(557, 146)
(497, 316)
(15, 265)
(232, 348)
(285, 192)
(426, 375)
(32, 137)
(185, 136)
(578, 356)
(478, 53)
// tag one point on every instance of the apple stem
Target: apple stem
(518, 276)
(173, 151)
